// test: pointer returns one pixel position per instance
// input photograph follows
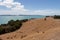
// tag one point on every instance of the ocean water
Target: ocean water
(5, 19)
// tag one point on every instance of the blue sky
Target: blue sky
(30, 7)
(40, 4)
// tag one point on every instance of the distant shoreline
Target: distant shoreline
(21, 15)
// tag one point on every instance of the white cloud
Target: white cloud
(35, 12)
(6, 3)
(17, 8)
(47, 12)
(11, 4)
(0, 0)
(44, 12)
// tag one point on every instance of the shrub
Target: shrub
(11, 26)
(57, 17)
(3, 24)
(23, 20)
(1, 29)
(11, 22)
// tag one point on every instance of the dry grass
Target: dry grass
(37, 29)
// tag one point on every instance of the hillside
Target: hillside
(36, 29)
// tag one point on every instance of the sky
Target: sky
(29, 7)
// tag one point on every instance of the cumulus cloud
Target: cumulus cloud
(11, 4)
(7, 3)
(18, 9)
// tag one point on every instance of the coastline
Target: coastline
(35, 29)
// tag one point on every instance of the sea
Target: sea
(5, 19)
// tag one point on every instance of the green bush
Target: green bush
(23, 20)
(1, 29)
(3, 24)
(11, 26)
(11, 22)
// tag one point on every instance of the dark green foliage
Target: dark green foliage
(11, 26)
(1, 29)
(3, 24)
(23, 20)
(11, 22)
(47, 16)
(57, 17)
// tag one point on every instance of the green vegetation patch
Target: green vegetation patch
(11, 26)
